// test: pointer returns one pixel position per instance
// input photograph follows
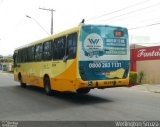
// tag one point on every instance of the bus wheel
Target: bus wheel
(47, 86)
(23, 85)
(83, 91)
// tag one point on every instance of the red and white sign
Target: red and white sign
(148, 53)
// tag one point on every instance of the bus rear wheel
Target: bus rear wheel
(83, 91)
(47, 86)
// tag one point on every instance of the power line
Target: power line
(149, 25)
(136, 21)
(141, 21)
(141, 9)
(122, 9)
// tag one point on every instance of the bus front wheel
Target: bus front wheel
(23, 85)
(47, 86)
(83, 91)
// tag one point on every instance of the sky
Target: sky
(17, 30)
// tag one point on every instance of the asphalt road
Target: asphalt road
(31, 103)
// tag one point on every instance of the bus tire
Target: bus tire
(82, 91)
(22, 84)
(47, 86)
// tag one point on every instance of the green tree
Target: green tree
(6, 60)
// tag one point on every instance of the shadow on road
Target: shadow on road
(67, 96)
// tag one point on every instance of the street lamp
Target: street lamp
(37, 23)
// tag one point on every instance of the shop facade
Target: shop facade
(146, 61)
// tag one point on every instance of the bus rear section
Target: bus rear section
(103, 57)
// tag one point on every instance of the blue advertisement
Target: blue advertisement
(104, 52)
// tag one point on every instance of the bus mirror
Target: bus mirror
(65, 58)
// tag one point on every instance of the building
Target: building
(0, 66)
(0, 62)
(6, 66)
(146, 61)
(6, 63)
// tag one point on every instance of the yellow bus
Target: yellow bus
(78, 59)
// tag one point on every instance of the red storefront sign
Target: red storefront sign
(141, 54)
(148, 53)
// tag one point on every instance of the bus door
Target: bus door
(64, 65)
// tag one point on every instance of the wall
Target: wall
(6, 66)
(147, 59)
(151, 69)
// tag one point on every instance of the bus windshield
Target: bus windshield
(104, 52)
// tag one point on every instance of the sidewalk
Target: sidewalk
(5, 73)
(147, 87)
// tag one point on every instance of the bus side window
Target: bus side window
(20, 56)
(59, 48)
(15, 59)
(71, 46)
(30, 54)
(25, 54)
(38, 52)
(47, 55)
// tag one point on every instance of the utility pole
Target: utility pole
(51, 10)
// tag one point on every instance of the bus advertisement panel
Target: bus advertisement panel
(104, 52)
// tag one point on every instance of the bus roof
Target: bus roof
(63, 33)
(74, 29)
(103, 25)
